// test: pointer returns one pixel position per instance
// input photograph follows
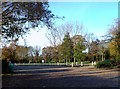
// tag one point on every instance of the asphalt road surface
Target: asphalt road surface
(60, 76)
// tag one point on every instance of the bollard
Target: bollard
(81, 63)
(92, 63)
(76, 63)
(58, 63)
(72, 64)
(66, 63)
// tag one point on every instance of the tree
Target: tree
(30, 54)
(94, 49)
(57, 34)
(60, 54)
(67, 48)
(103, 50)
(79, 46)
(48, 53)
(6, 53)
(21, 54)
(107, 54)
(89, 37)
(16, 16)
(53, 37)
(114, 45)
(36, 52)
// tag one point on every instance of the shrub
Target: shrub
(105, 63)
(86, 62)
(52, 62)
(113, 62)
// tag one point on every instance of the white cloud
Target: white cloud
(36, 38)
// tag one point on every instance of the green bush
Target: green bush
(105, 63)
(113, 62)
(52, 62)
(86, 62)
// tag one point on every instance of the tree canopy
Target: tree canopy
(67, 46)
(18, 17)
(114, 45)
(79, 46)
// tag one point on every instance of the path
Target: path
(60, 76)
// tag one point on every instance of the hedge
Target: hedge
(105, 63)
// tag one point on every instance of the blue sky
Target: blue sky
(95, 16)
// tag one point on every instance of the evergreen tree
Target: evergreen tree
(78, 48)
(67, 48)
